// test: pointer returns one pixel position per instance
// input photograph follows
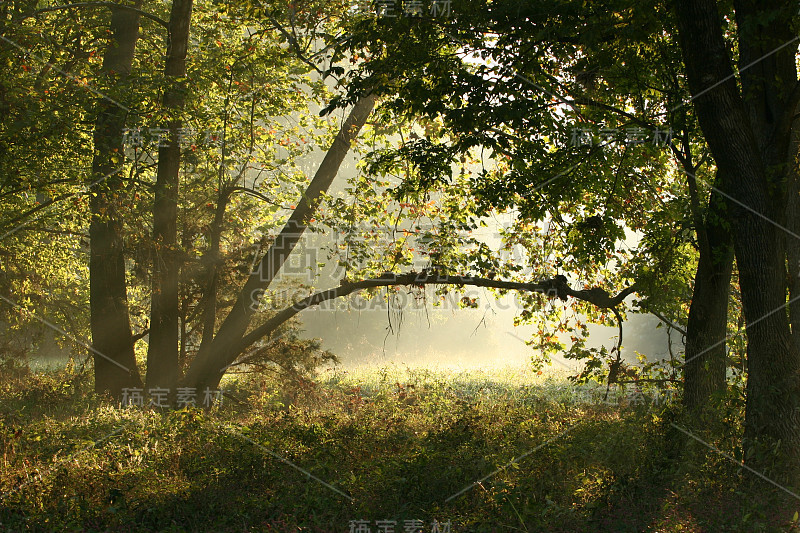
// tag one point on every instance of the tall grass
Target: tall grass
(492, 450)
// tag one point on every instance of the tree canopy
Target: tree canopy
(155, 180)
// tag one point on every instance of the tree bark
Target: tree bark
(112, 341)
(162, 356)
(706, 328)
(213, 264)
(205, 368)
(745, 134)
(792, 241)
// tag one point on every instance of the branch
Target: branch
(111, 5)
(142, 334)
(292, 40)
(663, 319)
(552, 287)
(615, 367)
(38, 207)
(251, 192)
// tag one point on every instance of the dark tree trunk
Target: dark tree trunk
(792, 242)
(706, 329)
(162, 356)
(207, 368)
(745, 134)
(769, 87)
(112, 341)
(793, 238)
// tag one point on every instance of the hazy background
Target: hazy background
(422, 334)
(467, 338)
(449, 337)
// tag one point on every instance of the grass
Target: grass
(392, 443)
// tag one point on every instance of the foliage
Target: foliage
(397, 440)
(248, 126)
(572, 136)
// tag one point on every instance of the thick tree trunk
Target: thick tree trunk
(793, 239)
(162, 356)
(769, 87)
(742, 143)
(207, 368)
(112, 341)
(706, 329)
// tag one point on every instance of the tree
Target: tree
(587, 73)
(44, 213)
(206, 370)
(749, 131)
(544, 104)
(112, 340)
(120, 243)
(706, 329)
(537, 103)
(162, 357)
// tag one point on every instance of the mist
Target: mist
(417, 333)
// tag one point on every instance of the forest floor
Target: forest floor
(387, 450)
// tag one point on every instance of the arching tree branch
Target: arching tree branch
(554, 287)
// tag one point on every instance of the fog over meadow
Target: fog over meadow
(421, 334)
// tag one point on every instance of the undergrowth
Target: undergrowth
(486, 451)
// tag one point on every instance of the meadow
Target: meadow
(390, 449)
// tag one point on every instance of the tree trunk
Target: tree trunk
(706, 329)
(162, 356)
(112, 341)
(212, 273)
(792, 240)
(742, 139)
(207, 368)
